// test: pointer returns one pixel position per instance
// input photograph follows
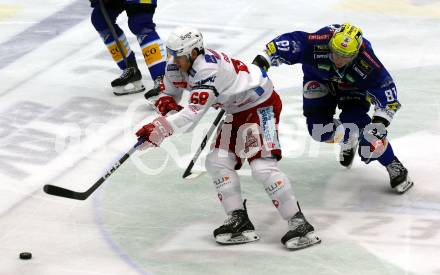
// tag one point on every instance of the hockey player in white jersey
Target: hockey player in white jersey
(214, 79)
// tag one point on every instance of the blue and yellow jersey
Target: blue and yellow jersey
(312, 50)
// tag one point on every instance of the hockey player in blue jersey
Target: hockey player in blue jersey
(341, 70)
(140, 21)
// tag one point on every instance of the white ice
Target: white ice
(62, 125)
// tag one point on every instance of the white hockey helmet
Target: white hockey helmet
(183, 40)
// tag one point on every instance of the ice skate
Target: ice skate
(129, 82)
(348, 151)
(237, 229)
(399, 179)
(301, 233)
(155, 91)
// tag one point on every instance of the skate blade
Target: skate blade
(245, 237)
(404, 186)
(302, 242)
(130, 88)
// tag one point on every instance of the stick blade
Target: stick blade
(191, 175)
(62, 192)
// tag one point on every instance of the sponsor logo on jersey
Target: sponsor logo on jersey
(323, 48)
(350, 78)
(360, 73)
(321, 56)
(204, 81)
(368, 56)
(364, 65)
(267, 124)
(313, 85)
(180, 84)
(319, 36)
(271, 49)
(325, 67)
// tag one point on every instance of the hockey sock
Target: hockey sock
(154, 52)
(276, 184)
(220, 165)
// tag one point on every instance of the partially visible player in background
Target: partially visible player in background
(341, 70)
(140, 21)
(253, 108)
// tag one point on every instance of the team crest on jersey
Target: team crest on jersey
(250, 141)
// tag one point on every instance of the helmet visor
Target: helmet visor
(174, 53)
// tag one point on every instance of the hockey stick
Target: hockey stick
(203, 144)
(112, 30)
(70, 194)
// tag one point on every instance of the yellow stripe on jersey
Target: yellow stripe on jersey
(145, 1)
(152, 53)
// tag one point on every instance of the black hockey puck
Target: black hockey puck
(25, 255)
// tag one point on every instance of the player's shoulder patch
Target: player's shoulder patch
(210, 58)
(172, 67)
(192, 72)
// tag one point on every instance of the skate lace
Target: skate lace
(346, 152)
(395, 168)
(157, 82)
(232, 219)
(293, 223)
(126, 73)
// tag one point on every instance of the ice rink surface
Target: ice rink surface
(61, 124)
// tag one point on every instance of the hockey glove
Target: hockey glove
(155, 132)
(166, 104)
(377, 136)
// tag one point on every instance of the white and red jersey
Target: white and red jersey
(215, 80)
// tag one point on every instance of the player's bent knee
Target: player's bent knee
(141, 24)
